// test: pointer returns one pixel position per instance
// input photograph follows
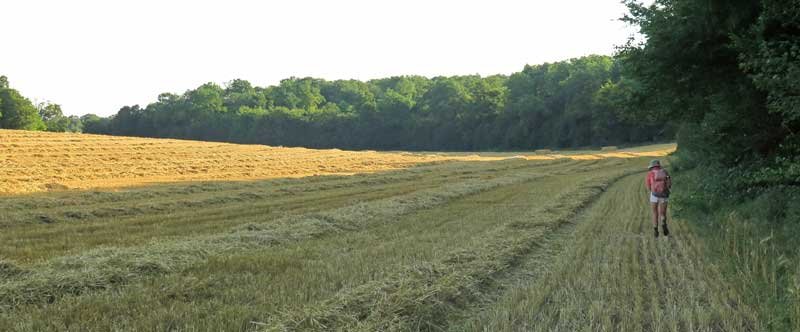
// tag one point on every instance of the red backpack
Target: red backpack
(661, 183)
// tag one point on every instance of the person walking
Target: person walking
(658, 182)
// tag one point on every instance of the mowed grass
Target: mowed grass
(425, 247)
(42, 226)
(613, 275)
(229, 291)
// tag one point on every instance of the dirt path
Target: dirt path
(610, 274)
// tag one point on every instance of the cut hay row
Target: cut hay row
(82, 206)
(249, 285)
(75, 223)
(104, 268)
(424, 296)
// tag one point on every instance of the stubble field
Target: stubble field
(147, 234)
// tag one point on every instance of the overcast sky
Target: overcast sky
(97, 56)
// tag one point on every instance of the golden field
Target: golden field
(41, 161)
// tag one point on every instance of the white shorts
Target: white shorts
(654, 199)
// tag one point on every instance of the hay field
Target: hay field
(431, 242)
(42, 161)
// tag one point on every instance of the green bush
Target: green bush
(753, 236)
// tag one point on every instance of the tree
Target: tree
(302, 93)
(129, 121)
(206, 98)
(95, 124)
(240, 93)
(18, 112)
(73, 124)
(53, 117)
(350, 96)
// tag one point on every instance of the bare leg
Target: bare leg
(654, 207)
(662, 211)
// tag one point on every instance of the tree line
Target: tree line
(556, 105)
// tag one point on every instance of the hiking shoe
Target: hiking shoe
(666, 230)
(655, 230)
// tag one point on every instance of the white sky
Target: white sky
(97, 56)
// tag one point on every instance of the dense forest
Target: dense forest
(727, 73)
(559, 105)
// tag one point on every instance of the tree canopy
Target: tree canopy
(726, 71)
(558, 105)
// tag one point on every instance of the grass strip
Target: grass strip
(424, 295)
(106, 268)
